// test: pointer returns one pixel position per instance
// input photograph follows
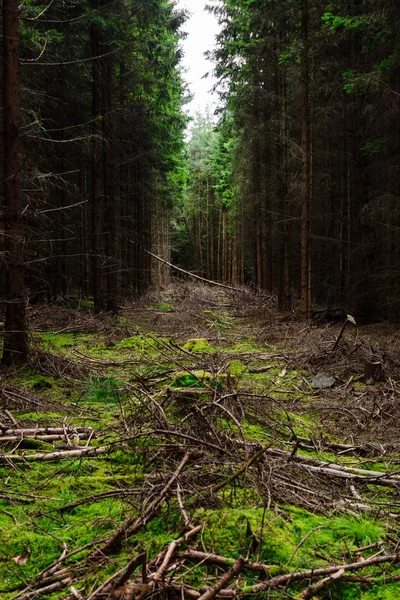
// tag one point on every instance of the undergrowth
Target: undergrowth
(144, 399)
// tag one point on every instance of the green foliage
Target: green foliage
(374, 147)
(338, 23)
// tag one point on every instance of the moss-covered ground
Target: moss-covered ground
(219, 382)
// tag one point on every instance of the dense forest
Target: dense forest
(293, 190)
(199, 316)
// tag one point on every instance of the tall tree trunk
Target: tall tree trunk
(15, 349)
(257, 204)
(110, 199)
(97, 278)
(305, 165)
(285, 300)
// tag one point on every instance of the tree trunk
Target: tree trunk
(110, 201)
(15, 349)
(305, 165)
(97, 278)
(285, 300)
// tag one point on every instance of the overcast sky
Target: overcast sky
(201, 28)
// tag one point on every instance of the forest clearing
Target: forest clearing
(201, 445)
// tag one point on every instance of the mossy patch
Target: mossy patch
(198, 345)
(195, 379)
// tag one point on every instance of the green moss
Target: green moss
(198, 379)
(237, 369)
(245, 347)
(164, 307)
(63, 341)
(221, 322)
(195, 379)
(103, 390)
(383, 591)
(198, 345)
(139, 343)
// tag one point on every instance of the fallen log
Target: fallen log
(81, 453)
(288, 578)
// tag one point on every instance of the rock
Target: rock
(322, 381)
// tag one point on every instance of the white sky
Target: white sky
(201, 28)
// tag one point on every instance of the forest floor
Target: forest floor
(182, 450)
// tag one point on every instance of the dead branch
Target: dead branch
(66, 454)
(314, 573)
(242, 469)
(316, 587)
(216, 283)
(131, 525)
(223, 561)
(223, 582)
(158, 576)
(121, 576)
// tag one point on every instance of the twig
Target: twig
(123, 574)
(223, 561)
(131, 525)
(316, 587)
(223, 582)
(242, 469)
(171, 550)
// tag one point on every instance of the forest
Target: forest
(199, 375)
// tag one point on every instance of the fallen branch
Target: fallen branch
(223, 285)
(158, 576)
(131, 525)
(110, 584)
(56, 455)
(241, 470)
(223, 561)
(223, 582)
(315, 573)
(44, 430)
(316, 587)
(343, 471)
(42, 438)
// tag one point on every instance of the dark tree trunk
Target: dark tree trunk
(111, 209)
(97, 279)
(285, 300)
(305, 164)
(15, 350)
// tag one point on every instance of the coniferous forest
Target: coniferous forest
(199, 382)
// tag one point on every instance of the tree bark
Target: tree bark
(286, 301)
(97, 279)
(15, 349)
(110, 200)
(305, 165)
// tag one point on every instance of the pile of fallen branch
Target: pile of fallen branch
(169, 571)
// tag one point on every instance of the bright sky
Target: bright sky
(201, 28)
